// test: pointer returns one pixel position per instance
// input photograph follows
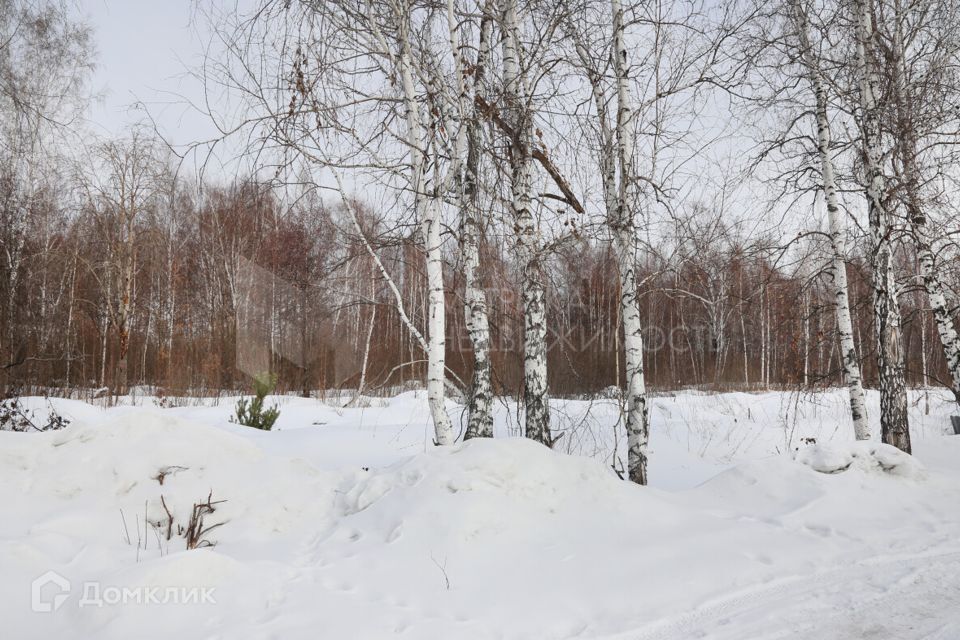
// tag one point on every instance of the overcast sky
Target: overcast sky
(144, 50)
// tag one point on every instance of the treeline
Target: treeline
(719, 311)
(518, 197)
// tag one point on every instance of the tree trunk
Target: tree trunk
(533, 289)
(625, 246)
(837, 269)
(910, 174)
(894, 424)
(429, 217)
(480, 419)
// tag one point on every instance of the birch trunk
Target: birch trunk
(170, 310)
(806, 338)
(923, 352)
(625, 247)
(124, 303)
(535, 390)
(429, 216)
(361, 386)
(938, 303)
(837, 271)
(915, 212)
(104, 331)
(123, 328)
(69, 330)
(894, 424)
(480, 419)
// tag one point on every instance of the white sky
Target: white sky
(145, 50)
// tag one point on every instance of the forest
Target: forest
(510, 319)
(519, 200)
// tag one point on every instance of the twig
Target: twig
(126, 531)
(443, 569)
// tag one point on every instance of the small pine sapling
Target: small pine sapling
(251, 412)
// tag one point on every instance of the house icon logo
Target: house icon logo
(49, 592)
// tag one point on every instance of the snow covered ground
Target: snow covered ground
(348, 523)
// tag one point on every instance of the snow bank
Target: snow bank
(343, 524)
(870, 457)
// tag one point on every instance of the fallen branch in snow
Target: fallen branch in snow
(443, 570)
(167, 471)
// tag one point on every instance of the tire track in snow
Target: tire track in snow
(912, 597)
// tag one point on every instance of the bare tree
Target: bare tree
(519, 116)
(920, 49)
(837, 270)
(621, 184)
(342, 103)
(469, 152)
(120, 189)
(894, 424)
(45, 60)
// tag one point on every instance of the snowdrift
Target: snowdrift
(322, 536)
(865, 456)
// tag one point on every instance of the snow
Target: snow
(348, 523)
(869, 456)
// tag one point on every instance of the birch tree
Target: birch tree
(469, 152)
(619, 179)
(621, 213)
(352, 70)
(45, 61)
(837, 270)
(919, 105)
(529, 254)
(894, 424)
(617, 70)
(428, 214)
(121, 196)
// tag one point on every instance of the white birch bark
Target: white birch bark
(69, 329)
(916, 215)
(480, 418)
(923, 352)
(894, 424)
(837, 271)
(625, 246)
(533, 289)
(125, 291)
(361, 386)
(394, 290)
(429, 216)
(806, 337)
(104, 329)
(938, 305)
(171, 301)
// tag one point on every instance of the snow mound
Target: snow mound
(482, 489)
(143, 465)
(361, 529)
(514, 468)
(865, 456)
(494, 521)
